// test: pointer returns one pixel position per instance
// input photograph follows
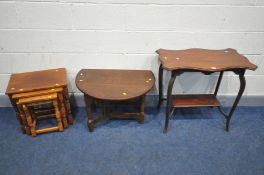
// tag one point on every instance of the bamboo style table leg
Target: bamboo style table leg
(30, 121)
(169, 101)
(58, 114)
(63, 111)
(68, 105)
(89, 108)
(23, 118)
(20, 118)
(160, 86)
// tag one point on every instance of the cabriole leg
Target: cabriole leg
(240, 92)
(169, 101)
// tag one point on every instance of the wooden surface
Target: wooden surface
(114, 84)
(194, 100)
(30, 81)
(36, 93)
(37, 99)
(203, 60)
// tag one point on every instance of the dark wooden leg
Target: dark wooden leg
(241, 74)
(89, 107)
(160, 86)
(169, 101)
(68, 105)
(218, 83)
(142, 109)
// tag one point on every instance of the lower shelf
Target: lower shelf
(194, 100)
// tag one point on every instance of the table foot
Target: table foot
(165, 130)
(70, 118)
(90, 127)
(227, 125)
(141, 119)
(22, 128)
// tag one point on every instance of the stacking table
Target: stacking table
(31, 84)
(206, 62)
(114, 87)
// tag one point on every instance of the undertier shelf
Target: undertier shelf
(194, 100)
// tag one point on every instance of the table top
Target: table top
(203, 60)
(108, 84)
(37, 80)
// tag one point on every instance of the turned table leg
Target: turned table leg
(63, 111)
(23, 118)
(30, 121)
(142, 109)
(89, 108)
(20, 117)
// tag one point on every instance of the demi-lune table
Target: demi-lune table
(206, 62)
(113, 87)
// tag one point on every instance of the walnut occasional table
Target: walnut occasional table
(113, 87)
(206, 62)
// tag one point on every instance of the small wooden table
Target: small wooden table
(113, 87)
(35, 81)
(204, 61)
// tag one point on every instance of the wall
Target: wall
(124, 34)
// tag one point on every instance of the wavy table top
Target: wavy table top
(204, 60)
(37, 80)
(108, 84)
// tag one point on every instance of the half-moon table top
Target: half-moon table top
(37, 80)
(204, 60)
(109, 84)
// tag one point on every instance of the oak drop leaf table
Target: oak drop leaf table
(206, 62)
(114, 87)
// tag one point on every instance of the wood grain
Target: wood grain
(37, 80)
(194, 100)
(203, 60)
(107, 84)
